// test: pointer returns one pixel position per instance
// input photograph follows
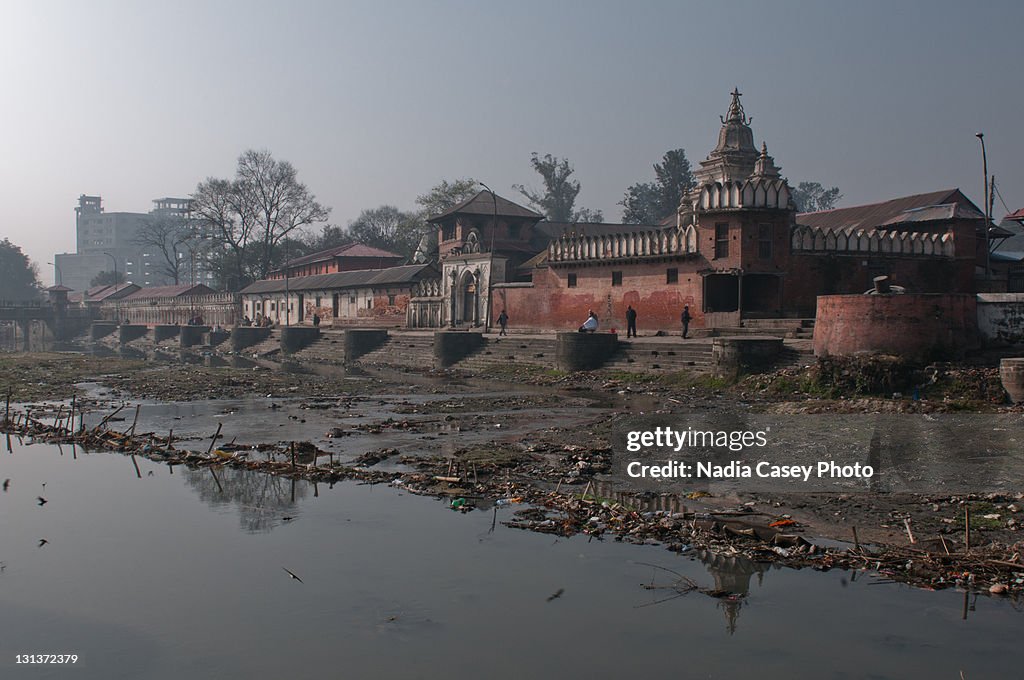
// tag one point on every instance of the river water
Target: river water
(168, 576)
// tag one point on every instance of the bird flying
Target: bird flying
(292, 574)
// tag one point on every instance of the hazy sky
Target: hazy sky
(375, 102)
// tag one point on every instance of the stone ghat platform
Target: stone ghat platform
(471, 351)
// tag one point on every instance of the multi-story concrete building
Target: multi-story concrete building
(123, 242)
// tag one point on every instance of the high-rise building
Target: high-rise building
(148, 249)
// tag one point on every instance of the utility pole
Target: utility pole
(490, 270)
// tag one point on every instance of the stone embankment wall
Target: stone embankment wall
(920, 327)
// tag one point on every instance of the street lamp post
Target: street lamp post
(490, 269)
(60, 274)
(988, 217)
(117, 308)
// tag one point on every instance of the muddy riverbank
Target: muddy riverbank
(541, 440)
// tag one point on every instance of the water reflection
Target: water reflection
(732, 574)
(263, 501)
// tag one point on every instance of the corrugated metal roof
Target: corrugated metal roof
(347, 250)
(170, 291)
(875, 215)
(360, 278)
(935, 213)
(1016, 215)
(483, 204)
(110, 292)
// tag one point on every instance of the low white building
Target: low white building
(366, 297)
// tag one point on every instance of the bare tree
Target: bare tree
(252, 214)
(172, 238)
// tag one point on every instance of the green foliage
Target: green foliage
(558, 199)
(389, 228)
(107, 278)
(811, 197)
(19, 277)
(651, 202)
(446, 195)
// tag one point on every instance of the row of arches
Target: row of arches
(817, 239)
(654, 242)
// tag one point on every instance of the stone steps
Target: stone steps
(270, 346)
(511, 350)
(412, 351)
(329, 348)
(792, 357)
(636, 357)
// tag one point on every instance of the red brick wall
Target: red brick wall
(919, 327)
(813, 274)
(551, 304)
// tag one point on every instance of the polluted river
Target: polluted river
(144, 566)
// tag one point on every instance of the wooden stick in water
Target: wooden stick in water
(214, 440)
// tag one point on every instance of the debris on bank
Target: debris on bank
(491, 482)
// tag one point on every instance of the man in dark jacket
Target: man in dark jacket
(630, 322)
(685, 318)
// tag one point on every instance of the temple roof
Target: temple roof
(484, 204)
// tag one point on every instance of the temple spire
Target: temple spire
(736, 114)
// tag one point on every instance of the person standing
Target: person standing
(630, 322)
(503, 322)
(316, 320)
(685, 318)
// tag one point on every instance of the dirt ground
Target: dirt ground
(561, 458)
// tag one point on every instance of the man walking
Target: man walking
(630, 322)
(685, 318)
(503, 322)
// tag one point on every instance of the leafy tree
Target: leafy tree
(19, 277)
(587, 215)
(651, 202)
(387, 227)
(330, 236)
(674, 179)
(446, 195)
(560, 191)
(107, 278)
(642, 204)
(252, 214)
(811, 197)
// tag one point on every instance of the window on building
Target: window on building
(391, 300)
(764, 241)
(369, 303)
(448, 231)
(515, 230)
(721, 240)
(351, 299)
(570, 281)
(317, 300)
(672, 275)
(1015, 279)
(616, 278)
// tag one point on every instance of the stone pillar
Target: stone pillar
(584, 351)
(1011, 372)
(127, 333)
(192, 335)
(731, 357)
(163, 332)
(247, 336)
(294, 338)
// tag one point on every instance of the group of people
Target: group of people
(591, 324)
(259, 322)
